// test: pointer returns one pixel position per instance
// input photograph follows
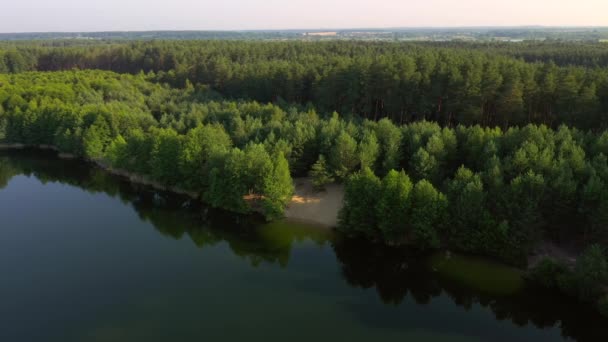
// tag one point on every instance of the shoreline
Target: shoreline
(132, 177)
(306, 205)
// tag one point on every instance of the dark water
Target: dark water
(85, 256)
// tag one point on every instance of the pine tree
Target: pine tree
(344, 157)
(278, 188)
(368, 150)
(320, 175)
(393, 207)
(358, 215)
(428, 214)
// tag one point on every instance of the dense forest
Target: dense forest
(450, 83)
(108, 117)
(486, 149)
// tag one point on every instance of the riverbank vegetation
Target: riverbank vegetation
(587, 280)
(473, 178)
(123, 121)
(477, 189)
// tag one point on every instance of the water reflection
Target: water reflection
(396, 275)
(172, 215)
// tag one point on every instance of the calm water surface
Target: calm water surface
(85, 256)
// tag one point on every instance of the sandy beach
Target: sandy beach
(315, 207)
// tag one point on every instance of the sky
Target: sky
(142, 15)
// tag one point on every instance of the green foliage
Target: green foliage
(591, 273)
(139, 149)
(428, 215)
(501, 143)
(389, 136)
(199, 145)
(278, 188)
(588, 280)
(464, 83)
(471, 225)
(358, 216)
(343, 157)
(523, 183)
(393, 206)
(368, 150)
(117, 152)
(548, 273)
(594, 206)
(320, 175)
(258, 167)
(424, 166)
(166, 149)
(521, 209)
(69, 141)
(96, 138)
(227, 182)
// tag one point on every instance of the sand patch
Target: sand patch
(316, 207)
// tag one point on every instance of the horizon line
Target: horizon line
(329, 29)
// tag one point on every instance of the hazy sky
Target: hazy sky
(97, 15)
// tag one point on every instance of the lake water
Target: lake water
(85, 256)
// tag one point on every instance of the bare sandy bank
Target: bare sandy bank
(315, 207)
(548, 249)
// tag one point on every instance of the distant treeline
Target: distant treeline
(152, 35)
(450, 83)
(385, 34)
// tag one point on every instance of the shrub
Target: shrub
(548, 273)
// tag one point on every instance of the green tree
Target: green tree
(278, 188)
(96, 138)
(591, 273)
(228, 181)
(320, 175)
(424, 165)
(368, 150)
(393, 206)
(470, 220)
(117, 152)
(428, 214)
(389, 136)
(258, 167)
(343, 158)
(164, 161)
(594, 206)
(361, 193)
(199, 144)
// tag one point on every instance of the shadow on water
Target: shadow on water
(173, 215)
(397, 275)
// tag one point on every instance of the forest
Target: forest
(450, 83)
(488, 149)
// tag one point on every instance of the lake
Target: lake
(86, 256)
